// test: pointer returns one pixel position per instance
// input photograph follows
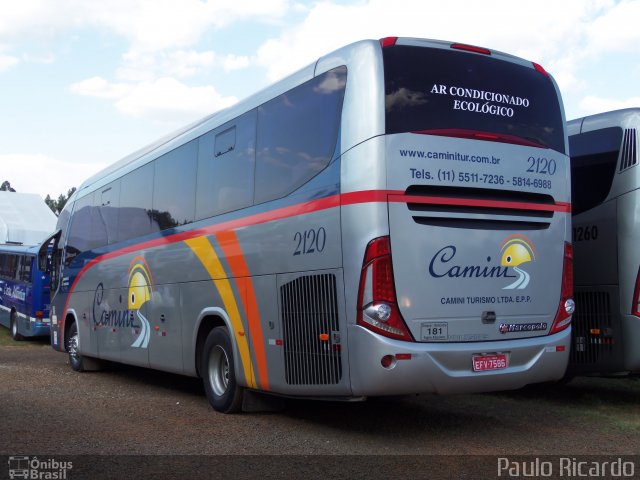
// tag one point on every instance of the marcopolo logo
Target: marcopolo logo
(515, 251)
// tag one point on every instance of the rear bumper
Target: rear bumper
(446, 368)
(38, 329)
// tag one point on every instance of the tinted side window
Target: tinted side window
(297, 134)
(594, 156)
(174, 186)
(79, 239)
(107, 200)
(8, 266)
(226, 162)
(25, 268)
(134, 213)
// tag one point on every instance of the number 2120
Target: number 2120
(310, 241)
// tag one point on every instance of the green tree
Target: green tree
(56, 206)
(6, 187)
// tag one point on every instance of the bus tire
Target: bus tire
(218, 372)
(75, 359)
(13, 327)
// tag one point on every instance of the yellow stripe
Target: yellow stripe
(207, 255)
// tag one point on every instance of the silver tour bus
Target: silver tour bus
(392, 219)
(606, 220)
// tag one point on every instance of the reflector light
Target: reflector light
(388, 41)
(471, 48)
(39, 314)
(635, 308)
(324, 337)
(378, 309)
(387, 361)
(567, 305)
(403, 356)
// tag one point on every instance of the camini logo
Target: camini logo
(517, 250)
(140, 288)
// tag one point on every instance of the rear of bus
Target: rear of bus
(606, 211)
(464, 264)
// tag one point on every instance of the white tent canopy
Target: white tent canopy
(24, 218)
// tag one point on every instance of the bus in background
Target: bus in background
(24, 292)
(605, 181)
(392, 219)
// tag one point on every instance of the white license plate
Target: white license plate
(483, 363)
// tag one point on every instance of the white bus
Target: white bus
(606, 236)
(392, 219)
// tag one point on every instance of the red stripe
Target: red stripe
(467, 202)
(350, 198)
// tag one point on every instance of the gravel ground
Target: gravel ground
(48, 409)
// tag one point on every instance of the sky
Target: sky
(84, 83)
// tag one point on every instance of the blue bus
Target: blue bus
(24, 292)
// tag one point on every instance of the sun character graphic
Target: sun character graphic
(139, 293)
(516, 250)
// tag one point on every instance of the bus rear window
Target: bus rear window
(594, 156)
(438, 89)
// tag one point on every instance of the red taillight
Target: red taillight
(567, 305)
(471, 48)
(540, 69)
(388, 41)
(377, 306)
(39, 314)
(635, 307)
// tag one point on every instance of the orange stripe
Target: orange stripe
(233, 254)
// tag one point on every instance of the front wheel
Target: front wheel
(75, 359)
(218, 372)
(14, 327)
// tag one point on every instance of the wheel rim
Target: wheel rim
(72, 347)
(219, 370)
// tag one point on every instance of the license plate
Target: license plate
(482, 363)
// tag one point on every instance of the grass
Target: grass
(7, 341)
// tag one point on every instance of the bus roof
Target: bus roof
(623, 117)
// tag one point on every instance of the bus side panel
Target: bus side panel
(597, 322)
(629, 260)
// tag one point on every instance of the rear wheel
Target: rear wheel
(218, 372)
(14, 327)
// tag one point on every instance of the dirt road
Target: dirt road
(47, 409)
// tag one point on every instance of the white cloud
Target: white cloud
(233, 62)
(101, 88)
(38, 173)
(592, 104)
(548, 32)
(169, 100)
(163, 100)
(148, 25)
(7, 62)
